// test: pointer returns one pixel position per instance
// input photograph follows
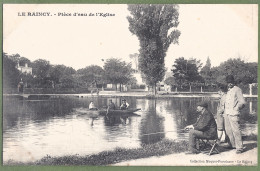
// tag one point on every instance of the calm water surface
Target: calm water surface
(33, 129)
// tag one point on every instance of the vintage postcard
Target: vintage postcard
(130, 84)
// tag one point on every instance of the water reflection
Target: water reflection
(112, 120)
(151, 123)
(32, 128)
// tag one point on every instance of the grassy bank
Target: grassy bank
(161, 148)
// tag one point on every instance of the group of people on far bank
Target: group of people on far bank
(228, 111)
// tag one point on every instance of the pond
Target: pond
(33, 129)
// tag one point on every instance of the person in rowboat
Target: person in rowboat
(124, 105)
(111, 106)
(92, 106)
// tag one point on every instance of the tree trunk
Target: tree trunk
(116, 87)
(250, 89)
(154, 89)
(120, 88)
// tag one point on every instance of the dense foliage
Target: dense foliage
(186, 71)
(118, 72)
(45, 75)
(90, 76)
(244, 73)
(10, 72)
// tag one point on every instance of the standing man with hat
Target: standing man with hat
(233, 104)
(205, 127)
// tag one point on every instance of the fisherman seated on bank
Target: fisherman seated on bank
(124, 105)
(204, 128)
(92, 106)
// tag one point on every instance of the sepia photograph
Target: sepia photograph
(130, 85)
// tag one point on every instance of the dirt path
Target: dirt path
(225, 158)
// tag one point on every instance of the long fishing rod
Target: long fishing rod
(185, 130)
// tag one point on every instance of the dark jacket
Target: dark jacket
(112, 106)
(207, 124)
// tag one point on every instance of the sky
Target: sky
(215, 31)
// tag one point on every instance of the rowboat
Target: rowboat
(104, 111)
(118, 111)
(86, 111)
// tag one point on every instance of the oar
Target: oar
(137, 109)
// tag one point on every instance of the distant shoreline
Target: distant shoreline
(130, 94)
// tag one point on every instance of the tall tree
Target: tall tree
(10, 72)
(118, 72)
(186, 71)
(153, 25)
(206, 72)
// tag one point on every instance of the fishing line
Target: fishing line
(161, 132)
